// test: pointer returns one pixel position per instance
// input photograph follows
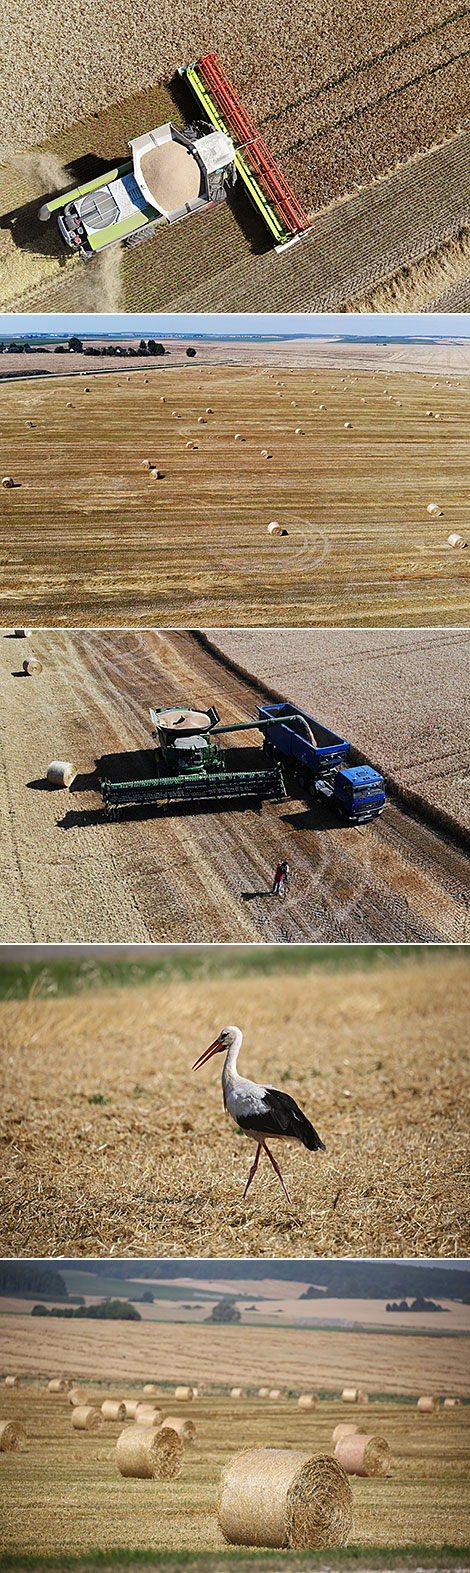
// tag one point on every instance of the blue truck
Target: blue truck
(319, 759)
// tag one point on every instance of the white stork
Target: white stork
(258, 1111)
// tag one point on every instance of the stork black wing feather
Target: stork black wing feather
(281, 1116)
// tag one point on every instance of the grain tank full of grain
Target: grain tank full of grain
(171, 173)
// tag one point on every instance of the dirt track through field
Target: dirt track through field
(68, 873)
(89, 538)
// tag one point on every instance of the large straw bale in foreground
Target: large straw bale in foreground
(61, 773)
(361, 1454)
(58, 1384)
(308, 1401)
(277, 1497)
(186, 1393)
(426, 1405)
(12, 1436)
(143, 1454)
(86, 1418)
(112, 1409)
(184, 1428)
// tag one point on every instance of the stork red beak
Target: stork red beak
(214, 1048)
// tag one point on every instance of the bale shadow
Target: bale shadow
(20, 674)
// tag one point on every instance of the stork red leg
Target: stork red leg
(276, 1167)
(253, 1169)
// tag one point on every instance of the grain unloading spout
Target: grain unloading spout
(248, 726)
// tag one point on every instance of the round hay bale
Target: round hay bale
(238, 437)
(307, 1401)
(433, 507)
(274, 1393)
(149, 1455)
(131, 1407)
(280, 1498)
(184, 1428)
(454, 539)
(11, 1381)
(12, 1436)
(201, 420)
(237, 1392)
(185, 1393)
(146, 464)
(22, 633)
(276, 529)
(61, 773)
(86, 1418)
(361, 1454)
(86, 390)
(148, 1415)
(175, 414)
(69, 405)
(208, 410)
(293, 404)
(150, 1387)
(190, 445)
(58, 1384)
(362, 1396)
(452, 1403)
(263, 1392)
(156, 475)
(31, 425)
(322, 406)
(437, 417)
(162, 398)
(349, 1395)
(426, 1405)
(348, 425)
(112, 1409)
(76, 1397)
(299, 432)
(429, 412)
(264, 453)
(32, 666)
(345, 1429)
(8, 482)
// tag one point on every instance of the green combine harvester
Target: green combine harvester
(191, 767)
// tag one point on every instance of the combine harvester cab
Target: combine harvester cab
(171, 174)
(191, 768)
(319, 758)
(262, 178)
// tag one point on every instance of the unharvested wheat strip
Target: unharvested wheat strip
(12, 1436)
(278, 1498)
(363, 1454)
(143, 1454)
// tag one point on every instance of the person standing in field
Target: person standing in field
(281, 880)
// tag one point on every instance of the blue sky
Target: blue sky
(156, 325)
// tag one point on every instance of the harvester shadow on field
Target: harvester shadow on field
(24, 224)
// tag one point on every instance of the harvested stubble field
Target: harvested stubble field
(206, 873)
(87, 538)
(110, 1143)
(82, 1504)
(343, 101)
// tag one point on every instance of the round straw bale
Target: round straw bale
(149, 1455)
(349, 1395)
(162, 398)
(322, 406)
(307, 1401)
(426, 1405)
(131, 1405)
(111, 1409)
(429, 412)
(22, 633)
(237, 1392)
(345, 1429)
(276, 529)
(348, 425)
(184, 1428)
(184, 1392)
(274, 1392)
(8, 482)
(61, 773)
(277, 1497)
(150, 1387)
(86, 390)
(454, 539)
(362, 1396)
(299, 432)
(190, 445)
(148, 1415)
(433, 507)
(146, 464)
(11, 1381)
(76, 1397)
(12, 1436)
(69, 405)
(175, 413)
(361, 1454)
(32, 666)
(263, 1392)
(238, 437)
(293, 404)
(58, 1384)
(437, 417)
(31, 425)
(86, 1418)
(208, 410)
(452, 1403)
(156, 475)
(201, 420)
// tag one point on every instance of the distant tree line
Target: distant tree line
(32, 1278)
(418, 1304)
(75, 346)
(106, 1311)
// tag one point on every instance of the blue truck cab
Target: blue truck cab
(319, 758)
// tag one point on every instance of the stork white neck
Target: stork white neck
(229, 1072)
